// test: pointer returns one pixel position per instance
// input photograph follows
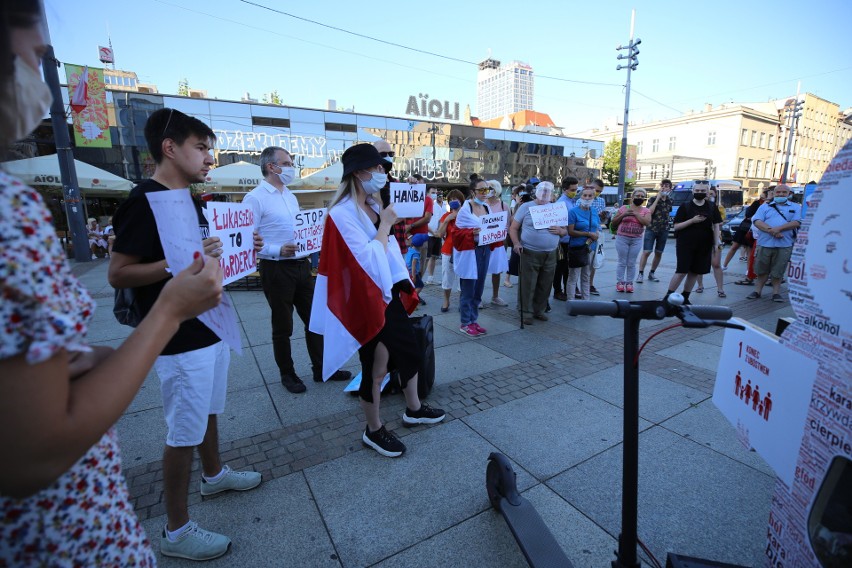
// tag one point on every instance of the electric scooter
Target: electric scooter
(534, 538)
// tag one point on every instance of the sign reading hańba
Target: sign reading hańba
(408, 199)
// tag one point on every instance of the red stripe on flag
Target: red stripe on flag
(353, 297)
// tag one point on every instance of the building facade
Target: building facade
(503, 89)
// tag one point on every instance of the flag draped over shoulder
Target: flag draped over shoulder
(464, 243)
(354, 283)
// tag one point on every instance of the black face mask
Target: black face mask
(699, 196)
(638, 201)
(387, 166)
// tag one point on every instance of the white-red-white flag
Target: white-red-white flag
(80, 98)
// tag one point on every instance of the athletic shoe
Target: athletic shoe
(195, 544)
(777, 298)
(561, 296)
(578, 296)
(384, 442)
(231, 481)
(753, 296)
(628, 287)
(498, 301)
(422, 302)
(482, 305)
(293, 383)
(548, 309)
(426, 415)
(469, 330)
(479, 328)
(528, 321)
(640, 278)
(725, 268)
(652, 278)
(541, 317)
(619, 287)
(594, 291)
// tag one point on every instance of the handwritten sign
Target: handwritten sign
(307, 231)
(493, 228)
(233, 223)
(408, 199)
(550, 215)
(177, 224)
(757, 392)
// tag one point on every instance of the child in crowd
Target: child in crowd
(412, 260)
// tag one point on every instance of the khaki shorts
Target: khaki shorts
(772, 261)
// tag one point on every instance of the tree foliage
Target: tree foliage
(183, 87)
(272, 98)
(612, 164)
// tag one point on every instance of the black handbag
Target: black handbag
(126, 309)
(578, 257)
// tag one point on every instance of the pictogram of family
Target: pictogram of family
(751, 395)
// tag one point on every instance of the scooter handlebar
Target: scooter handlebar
(713, 313)
(592, 308)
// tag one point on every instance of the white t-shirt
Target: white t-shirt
(438, 210)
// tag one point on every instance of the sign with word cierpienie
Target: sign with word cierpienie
(550, 215)
(764, 389)
(177, 225)
(492, 228)
(408, 199)
(233, 223)
(307, 231)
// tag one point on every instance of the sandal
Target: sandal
(507, 284)
(699, 290)
(721, 294)
(745, 282)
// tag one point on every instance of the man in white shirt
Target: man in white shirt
(285, 272)
(434, 246)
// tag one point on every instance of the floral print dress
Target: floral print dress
(84, 518)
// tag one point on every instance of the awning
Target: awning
(44, 171)
(326, 178)
(236, 175)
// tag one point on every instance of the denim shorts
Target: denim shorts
(655, 237)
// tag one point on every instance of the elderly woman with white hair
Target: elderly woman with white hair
(498, 262)
(537, 249)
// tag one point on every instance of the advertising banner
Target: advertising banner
(91, 123)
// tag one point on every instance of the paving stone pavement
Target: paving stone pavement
(547, 396)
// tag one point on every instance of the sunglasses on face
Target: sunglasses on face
(387, 154)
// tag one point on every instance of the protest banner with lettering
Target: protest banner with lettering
(761, 398)
(408, 199)
(550, 215)
(177, 224)
(233, 223)
(307, 231)
(492, 228)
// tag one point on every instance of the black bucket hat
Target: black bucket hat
(360, 157)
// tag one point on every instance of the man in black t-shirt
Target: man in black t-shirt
(193, 367)
(697, 226)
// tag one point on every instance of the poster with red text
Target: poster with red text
(233, 223)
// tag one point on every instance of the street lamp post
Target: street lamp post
(794, 111)
(632, 63)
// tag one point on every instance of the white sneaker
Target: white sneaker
(195, 544)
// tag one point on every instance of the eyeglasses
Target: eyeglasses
(168, 121)
(285, 165)
(387, 154)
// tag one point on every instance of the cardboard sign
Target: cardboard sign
(408, 199)
(764, 388)
(307, 231)
(550, 215)
(233, 223)
(493, 228)
(177, 224)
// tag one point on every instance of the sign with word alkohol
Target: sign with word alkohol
(307, 231)
(764, 388)
(550, 215)
(233, 223)
(493, 228)
(408, 199)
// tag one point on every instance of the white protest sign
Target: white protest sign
(233, 223)
(307, 231)
(408, 199)
(178, 226)
(764, 388)
(492, 228)
(550, 215)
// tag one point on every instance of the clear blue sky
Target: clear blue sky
(691, 52)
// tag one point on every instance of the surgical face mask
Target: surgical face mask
(376, 182)
(455, 204)
(479, 200)
(32, 100)
(433, 195)
(288, 174)
(572, 194)
(780, 200)
(586, 203)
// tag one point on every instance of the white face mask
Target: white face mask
(376, 182)
(32, 100)
(288, 174)
(586, 203)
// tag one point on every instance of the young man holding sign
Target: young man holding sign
(285, 271)
(193, 367)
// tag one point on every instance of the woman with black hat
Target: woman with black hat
(363, 297)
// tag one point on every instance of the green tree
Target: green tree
(183, 87)
(612, 164)
(272, 98)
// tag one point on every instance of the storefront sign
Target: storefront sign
(408, 199)
(308, 231)
(550, 215)
(233, 223)
(432, 108)
(240, 141)
(430, 169)
(493, 228)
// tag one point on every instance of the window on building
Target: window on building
(654, 171)
(740, 166)
(753, 138)
(763, 139)
(771, 142)
(759, 168)
(672, 143)
(750, 168)
(767, 170)
(265, 121)
(655, 145)
(639, 146)
(337, 127)
(744, 137)
(711, 138)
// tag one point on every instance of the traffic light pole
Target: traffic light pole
(632, 63)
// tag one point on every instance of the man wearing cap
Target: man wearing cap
(285, 272)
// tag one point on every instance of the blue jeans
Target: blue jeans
(471, 290)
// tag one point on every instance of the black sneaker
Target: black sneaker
(426, 415)
(652, 278)
(384, 442)
(548, 309)
(337, 376)
(594, 291)
(293, 383)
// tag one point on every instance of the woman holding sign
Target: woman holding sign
(363, 297)
(470, 259)
(498, 263)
